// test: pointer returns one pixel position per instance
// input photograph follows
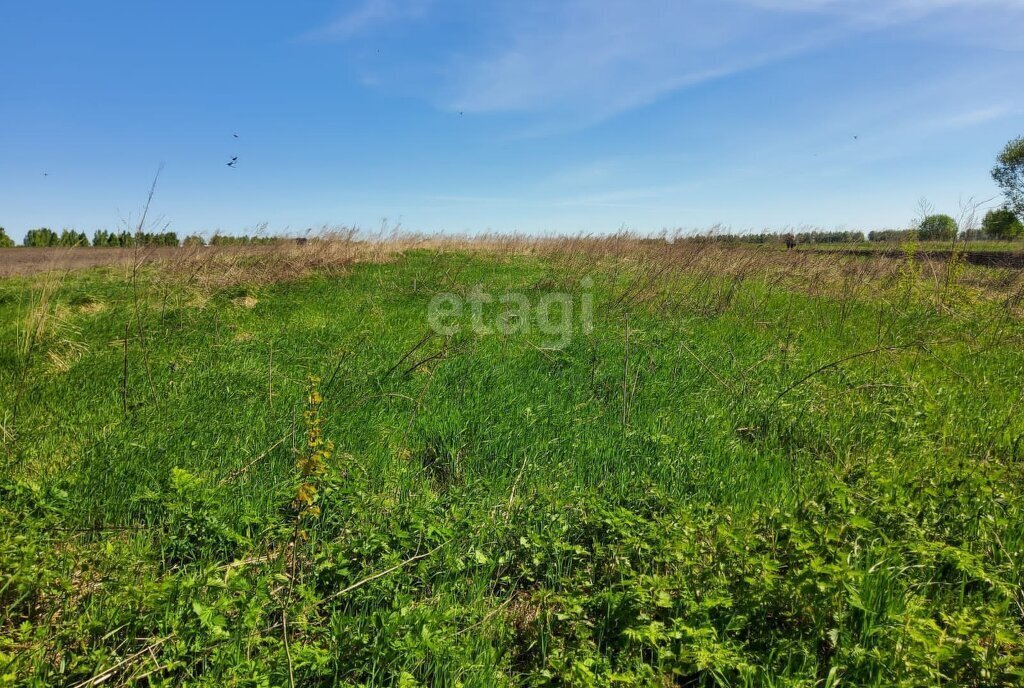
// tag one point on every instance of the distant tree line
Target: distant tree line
(44, 237)
(244, 240)
(813, 237)
(102, 237)
(931, 228)
(891, 234)
(1000, 224)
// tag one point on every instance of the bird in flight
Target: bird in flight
(233, 161)
(235, 135)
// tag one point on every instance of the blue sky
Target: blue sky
(577, 116)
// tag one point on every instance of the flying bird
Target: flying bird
(233, 161)
(235, 135)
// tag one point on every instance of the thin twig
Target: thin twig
(108, 673)
(381, 574)
(708, 368)
(409, 353)
(838, 362)
(625, 377)
(244, 469)
(515, 484)
(487, 617)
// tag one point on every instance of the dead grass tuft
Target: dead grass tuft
(92, 308)
(63, 354)
(522, 613)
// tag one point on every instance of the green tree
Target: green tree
(168, 239)
(228, 240)
(194, 240)
(121, 239)
(5, 241)
(1009, 174)
(40, 238)
(1002, 224)
(937, 228)
(70, 237)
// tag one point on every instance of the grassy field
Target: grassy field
(691, 465)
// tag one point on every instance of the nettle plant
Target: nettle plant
(312, 460)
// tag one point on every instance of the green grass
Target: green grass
(724, 483)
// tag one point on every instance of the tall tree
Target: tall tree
(1002, 224)
(5, 241)
(70, 237)
(936, 228)
(40, 238)
(1009, 174)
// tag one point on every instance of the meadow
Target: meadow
(673, 464)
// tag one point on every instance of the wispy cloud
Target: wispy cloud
(569, 64)
(995, 20)
(972, 118)
(593, 60)
(599, 59)
(368, 15)
(885, 8)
